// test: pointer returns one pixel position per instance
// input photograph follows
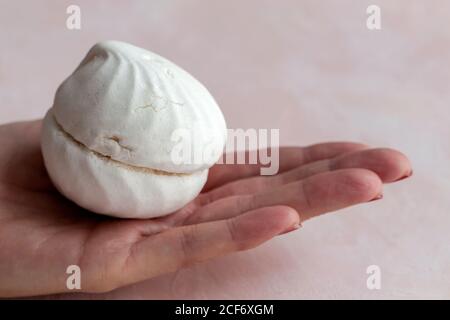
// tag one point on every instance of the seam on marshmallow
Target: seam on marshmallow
(105, 158)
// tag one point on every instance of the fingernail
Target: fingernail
(409, 174)
(378, 197)
(290, 229)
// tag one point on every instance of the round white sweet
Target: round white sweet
(131, 134)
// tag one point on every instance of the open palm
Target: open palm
(42, 233)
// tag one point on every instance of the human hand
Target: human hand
(42, 233)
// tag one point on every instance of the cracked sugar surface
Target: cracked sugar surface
(108, 159)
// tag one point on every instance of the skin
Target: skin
(42, 233)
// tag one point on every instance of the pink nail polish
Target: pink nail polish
(409, 174)
(378, 197)
(293, 228)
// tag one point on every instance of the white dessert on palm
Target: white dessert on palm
(108, 141)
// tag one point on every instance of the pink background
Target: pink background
(310, 68)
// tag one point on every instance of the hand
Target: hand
(42, 233)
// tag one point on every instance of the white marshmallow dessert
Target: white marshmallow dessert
(121, 133)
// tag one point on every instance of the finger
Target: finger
(390, 165)
(21, 141)
(289, 157)
(311, 197)
(179, 247)
(22, 132)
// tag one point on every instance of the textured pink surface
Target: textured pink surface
(310, 68)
